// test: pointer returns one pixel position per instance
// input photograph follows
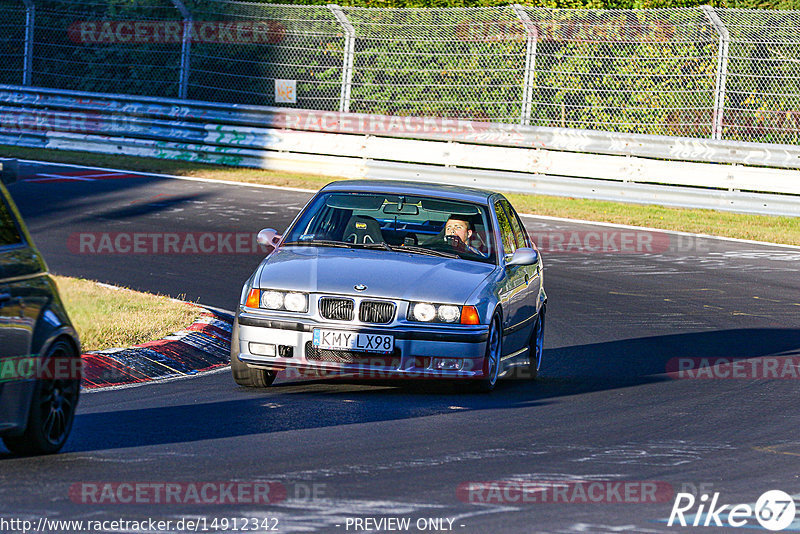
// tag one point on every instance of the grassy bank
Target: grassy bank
(107, 318)
(758, 227)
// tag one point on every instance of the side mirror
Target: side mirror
(524, 256)
(268, 237)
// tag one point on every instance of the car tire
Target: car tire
(249, 377)
(491, 365)
(52, 410)
(536, 346)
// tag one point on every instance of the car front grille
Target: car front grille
(374, 311)
(391, 361)
(336, 309)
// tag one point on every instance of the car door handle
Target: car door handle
(526, 278)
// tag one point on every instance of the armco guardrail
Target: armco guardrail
(628, 167)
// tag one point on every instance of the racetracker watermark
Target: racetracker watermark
(34, 367)
(616, 242)
(205, 493)
(387, 367)
(602, 242)
(115, 32)
(40, 120)
(333, 122)
(565, 492)
(767, 367)
(153, 243)
(609, 30)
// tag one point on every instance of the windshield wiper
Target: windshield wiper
(407, 248)
(382, 245)
(423, 250)
(320, 243)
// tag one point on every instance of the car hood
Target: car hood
(387, 274)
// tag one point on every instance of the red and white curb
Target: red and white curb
(203, 346)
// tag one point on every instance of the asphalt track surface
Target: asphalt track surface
(604, 409)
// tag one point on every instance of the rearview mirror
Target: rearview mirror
(524, 256)
(396, 209)
(268, 237)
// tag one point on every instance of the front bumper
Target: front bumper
(416, 348)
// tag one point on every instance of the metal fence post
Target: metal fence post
(349, 56)
(27, 59)
(532, 37)
(722, 70)
(186, 48)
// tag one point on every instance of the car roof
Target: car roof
(402, 187)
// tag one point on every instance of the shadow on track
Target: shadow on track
(632, 359)
(333, 402)
(63, 198)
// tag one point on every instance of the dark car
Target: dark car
(39, 348)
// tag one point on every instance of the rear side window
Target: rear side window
(9, 231)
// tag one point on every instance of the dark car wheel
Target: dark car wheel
(251, 378)
(536, 346)
(491, 363)
(52, 411)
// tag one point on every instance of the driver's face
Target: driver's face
(459, 228)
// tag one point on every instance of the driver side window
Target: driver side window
(506, 230)
(520, 235)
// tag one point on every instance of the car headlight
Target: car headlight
(448, 314)
(296, 302)
(423, 311)
(277, 300)
(443, 313)
(272, 300)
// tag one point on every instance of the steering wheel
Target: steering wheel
(455, 242)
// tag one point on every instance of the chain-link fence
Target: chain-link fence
(12, 42)
(698, 72)
(762, 97)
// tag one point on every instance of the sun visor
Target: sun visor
(355, 202)
(453, 208)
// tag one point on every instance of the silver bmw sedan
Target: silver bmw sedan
(390, 279)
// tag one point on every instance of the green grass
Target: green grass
(722, 223)
(109, 318)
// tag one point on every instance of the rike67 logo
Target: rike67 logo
(774, 510)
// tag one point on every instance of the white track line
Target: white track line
(171, 176)
(106, 174)
(49, 177)
(297, 189)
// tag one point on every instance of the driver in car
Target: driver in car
(458, 232)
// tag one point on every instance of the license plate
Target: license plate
(353, 341)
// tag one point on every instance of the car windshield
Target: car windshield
(415, 224)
